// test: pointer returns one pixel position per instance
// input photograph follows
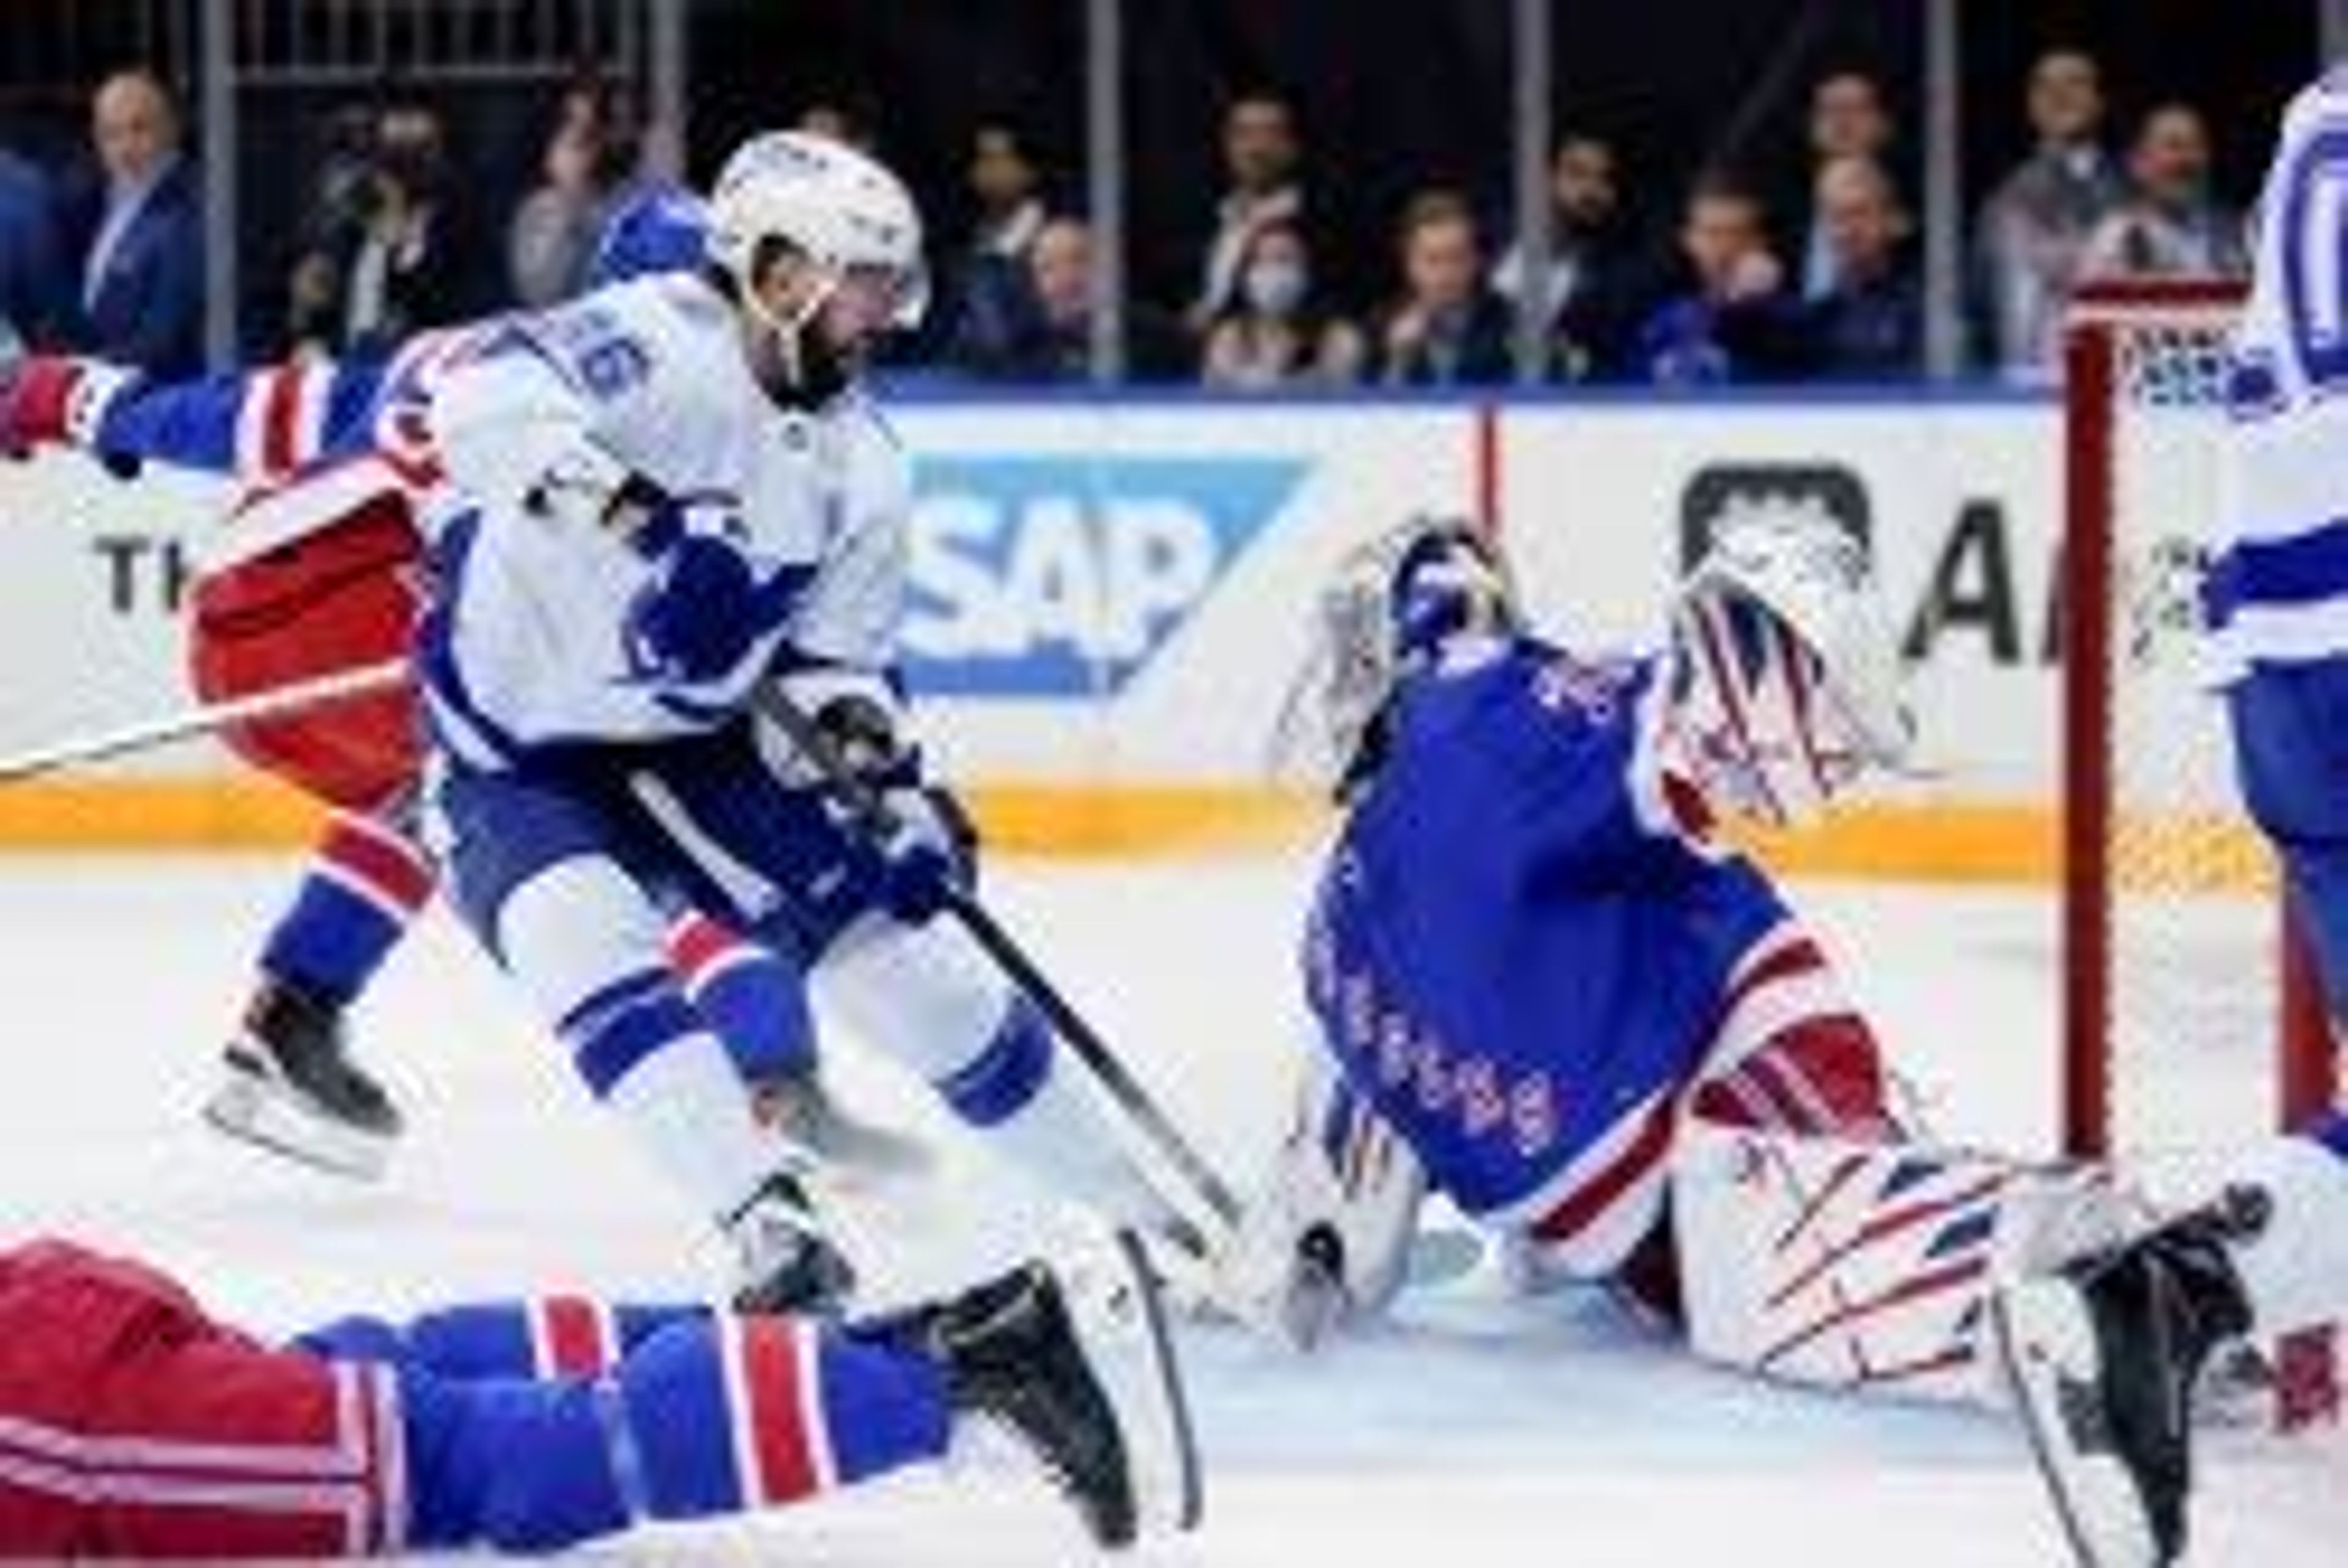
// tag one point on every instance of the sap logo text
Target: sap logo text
(1064, 576)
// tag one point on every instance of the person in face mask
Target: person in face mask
(1273, 332)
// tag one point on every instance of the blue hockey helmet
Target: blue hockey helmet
(662, 229)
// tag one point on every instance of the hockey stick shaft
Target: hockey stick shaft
(146, 735)
(871, 813)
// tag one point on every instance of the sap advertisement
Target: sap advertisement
(1125, 594)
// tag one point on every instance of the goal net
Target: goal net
(2189, 1021)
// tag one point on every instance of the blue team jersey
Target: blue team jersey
(1515, 949)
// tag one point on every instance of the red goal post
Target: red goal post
(2180, 967)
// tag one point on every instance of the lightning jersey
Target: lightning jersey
(1517, 956)
(529, 645)
(2278, 591)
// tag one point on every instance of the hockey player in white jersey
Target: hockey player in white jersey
(661, 497)
(2105, 1354)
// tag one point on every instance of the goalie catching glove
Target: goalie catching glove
(1786, 678)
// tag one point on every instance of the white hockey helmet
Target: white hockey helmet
(1786, 684)
(842, 210)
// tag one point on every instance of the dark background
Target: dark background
(1394, 95)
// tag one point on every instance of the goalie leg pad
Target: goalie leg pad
(1861, 1265)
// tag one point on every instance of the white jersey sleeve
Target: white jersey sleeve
(2279, 591)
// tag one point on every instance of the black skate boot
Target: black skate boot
(2102, 1358)
(1079, 1369)
(785, 1262)
(290, 1086)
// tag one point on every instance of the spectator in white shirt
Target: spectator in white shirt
(2034, 226)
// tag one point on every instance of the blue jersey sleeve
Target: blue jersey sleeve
(254, 426)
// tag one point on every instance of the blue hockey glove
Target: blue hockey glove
(698, 616)
(920, 864)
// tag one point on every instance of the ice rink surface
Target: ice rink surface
(1478, 1431)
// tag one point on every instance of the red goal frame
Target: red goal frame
(2100, 314)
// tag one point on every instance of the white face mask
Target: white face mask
(1273, 288)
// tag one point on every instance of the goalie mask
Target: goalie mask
(1785, 683)
(1411, 599)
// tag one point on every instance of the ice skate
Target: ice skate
(288, 1085)
(1078, 1365)
(2102, 1358)
(784, 1262)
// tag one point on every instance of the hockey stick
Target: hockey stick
(277, 703)
(864, 804)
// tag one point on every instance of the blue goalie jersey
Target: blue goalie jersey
(1516, 954)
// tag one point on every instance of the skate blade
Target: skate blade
(1119, 1318)
(2040, 1329)
(255, 1112)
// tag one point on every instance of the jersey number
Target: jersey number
(2315, 257)
(608, 359)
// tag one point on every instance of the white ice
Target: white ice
(1481, 1431)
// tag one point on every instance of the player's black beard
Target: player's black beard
(821, 374)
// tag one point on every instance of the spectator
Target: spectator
(589, 159)
(1052, 340)
(1261, 156)
(1588, 304)
(1848, 119)
(2170, 224)
(1447, 329)
(390, 258)
(1737, 321)
(992, 293)
(142, 286)
(2036, 224)
(1868, 324)
(32, 279)
(1275, 332)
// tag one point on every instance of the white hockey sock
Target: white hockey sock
(1063, 1138)
(684, 1105)
(930, 998)
(2296, 1270)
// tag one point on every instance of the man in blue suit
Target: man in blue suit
(142, 287)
